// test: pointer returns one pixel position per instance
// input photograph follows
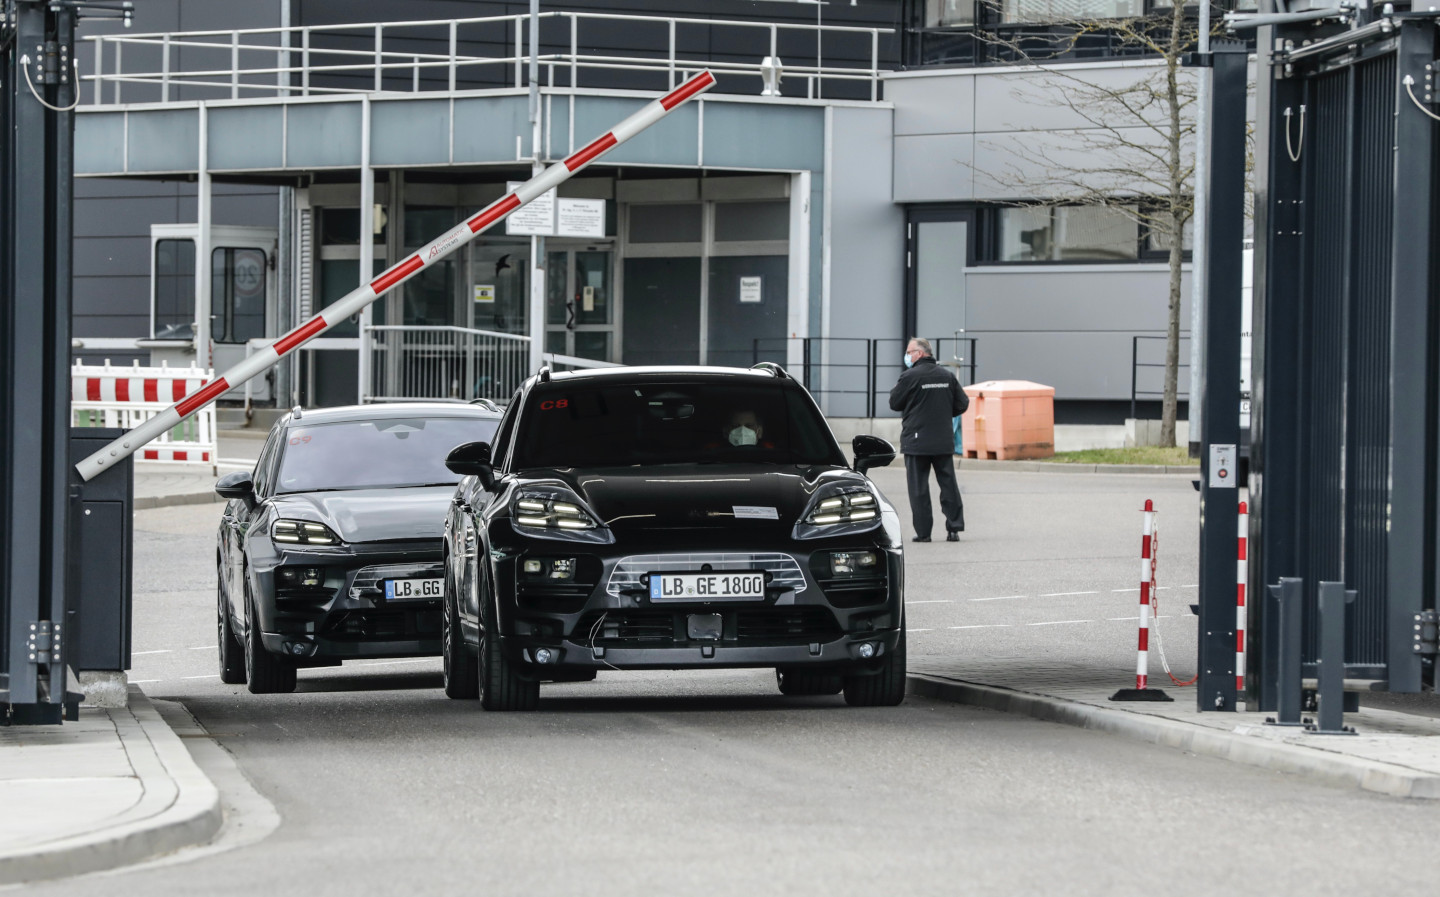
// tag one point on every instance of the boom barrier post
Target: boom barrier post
(361, 298)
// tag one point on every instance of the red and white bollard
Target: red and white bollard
(1142, 690)
(1241, 576)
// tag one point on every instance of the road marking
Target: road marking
(1001, 598)
(210, 676)
(935, 601)
(1131, 619)
(143, 681)
(1066, 594)
(161, 651)
(381, 663)
(206, 648)
(1059, 622)
(1124, 590)
(919, 630)
(984, 626)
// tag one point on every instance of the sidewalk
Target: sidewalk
(159, 485)
(110, 790)
(1393, 753)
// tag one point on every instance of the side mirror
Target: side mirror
(237, 485)
(472, 460)
(871, 451)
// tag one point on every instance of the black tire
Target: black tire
(502, 686)
(802, 682)
(462, 672)
(268, 674)
(232, 655)
(883, 689)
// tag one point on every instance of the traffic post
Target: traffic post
(1142, 690)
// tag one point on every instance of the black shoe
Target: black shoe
(952, 537)
(921, 539)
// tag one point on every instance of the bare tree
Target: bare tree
(1133, 150)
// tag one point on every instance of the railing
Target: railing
(427, 55)
(852, 376)
(559, 362)
(415, 363)
(1140, 385)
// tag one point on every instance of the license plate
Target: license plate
(413, 589)
(739, 585)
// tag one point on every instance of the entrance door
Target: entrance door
(941, 250)
(580, 308)
(662, 310)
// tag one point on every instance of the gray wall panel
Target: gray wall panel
(1067, 163)
(1071, 298)
(246, 137)
(324, 134)
(164, 140)
(751, 135)
(485, 128)
(1078, 365)
(111, 256)
(939, 105)
(409, 132)
(867, 231)
(99, 143)
(934, 168)
(671, 141)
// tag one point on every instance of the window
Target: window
(1046, 11)
(949, 13)
(237, 295)
(1158, 237)
(745, 221)
(1067, 233)
(676, 223)
(174, 309)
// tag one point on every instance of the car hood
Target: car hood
(372, 515)
(710, 495)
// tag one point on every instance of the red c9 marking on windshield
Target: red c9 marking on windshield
(296, 440)
(552, 404)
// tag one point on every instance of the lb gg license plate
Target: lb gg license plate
(413, 589)
(746, 585)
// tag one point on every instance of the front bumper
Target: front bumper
(603, 618)
(345, 615)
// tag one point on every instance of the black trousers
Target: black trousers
(917, 479)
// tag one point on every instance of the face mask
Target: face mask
(908, 362)
(743, 436)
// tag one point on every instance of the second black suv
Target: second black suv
(670, 518)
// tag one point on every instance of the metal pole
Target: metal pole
(367, 249)
(1331, 661)
(537, 243)
(1220, 387)
(437, 250)
(1287, 602)
(1198, 251)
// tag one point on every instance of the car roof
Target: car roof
(671, 372)
(387, 411)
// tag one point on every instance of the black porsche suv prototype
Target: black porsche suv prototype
(670, 518)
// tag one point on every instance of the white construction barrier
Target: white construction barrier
(108, 396)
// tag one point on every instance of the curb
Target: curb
(147, 502)
(179, 807)
(1057, 467)
(1334, 769)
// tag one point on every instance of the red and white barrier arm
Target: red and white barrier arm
(353, 302)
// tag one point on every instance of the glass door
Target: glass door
(580, 306)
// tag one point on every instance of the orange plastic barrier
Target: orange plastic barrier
(1009, 419)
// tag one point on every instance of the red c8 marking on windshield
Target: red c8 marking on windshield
(551, 405)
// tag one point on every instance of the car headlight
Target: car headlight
(556, 513)
(303, 532)
(839, 510)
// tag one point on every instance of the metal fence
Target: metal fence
(416, 363)
(441, 54)
(1147, 377)
(852, 376)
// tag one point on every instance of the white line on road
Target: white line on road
(1131, 619)
(210, 676)
(1001, 598)
(919, 630)
(143, 681)
(381, 663)
(205, 648)
(1059, 622)
(935, 601)
(984, 626)
(1066, 594)
(1124, 590)
(161, 651)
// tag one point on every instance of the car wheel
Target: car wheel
(232, 656)
(502, 686)
(800, 682)
(267, 673)
(883, 689)
(462, 674)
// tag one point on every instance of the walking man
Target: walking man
(929, 398)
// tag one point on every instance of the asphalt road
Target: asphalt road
(676, 783)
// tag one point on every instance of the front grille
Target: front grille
(656, 628)
(369, 581)
(783, 569)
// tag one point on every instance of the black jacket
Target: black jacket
(929, 398)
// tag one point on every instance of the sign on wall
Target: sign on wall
(751, 288)
(534, 220)
(549, 216)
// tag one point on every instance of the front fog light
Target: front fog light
(866, 650)
(532, 566)
(312, 577)
(562, 568)
(849, 563)
(544, 655)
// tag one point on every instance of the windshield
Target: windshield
(369, 454)
(605, 425)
